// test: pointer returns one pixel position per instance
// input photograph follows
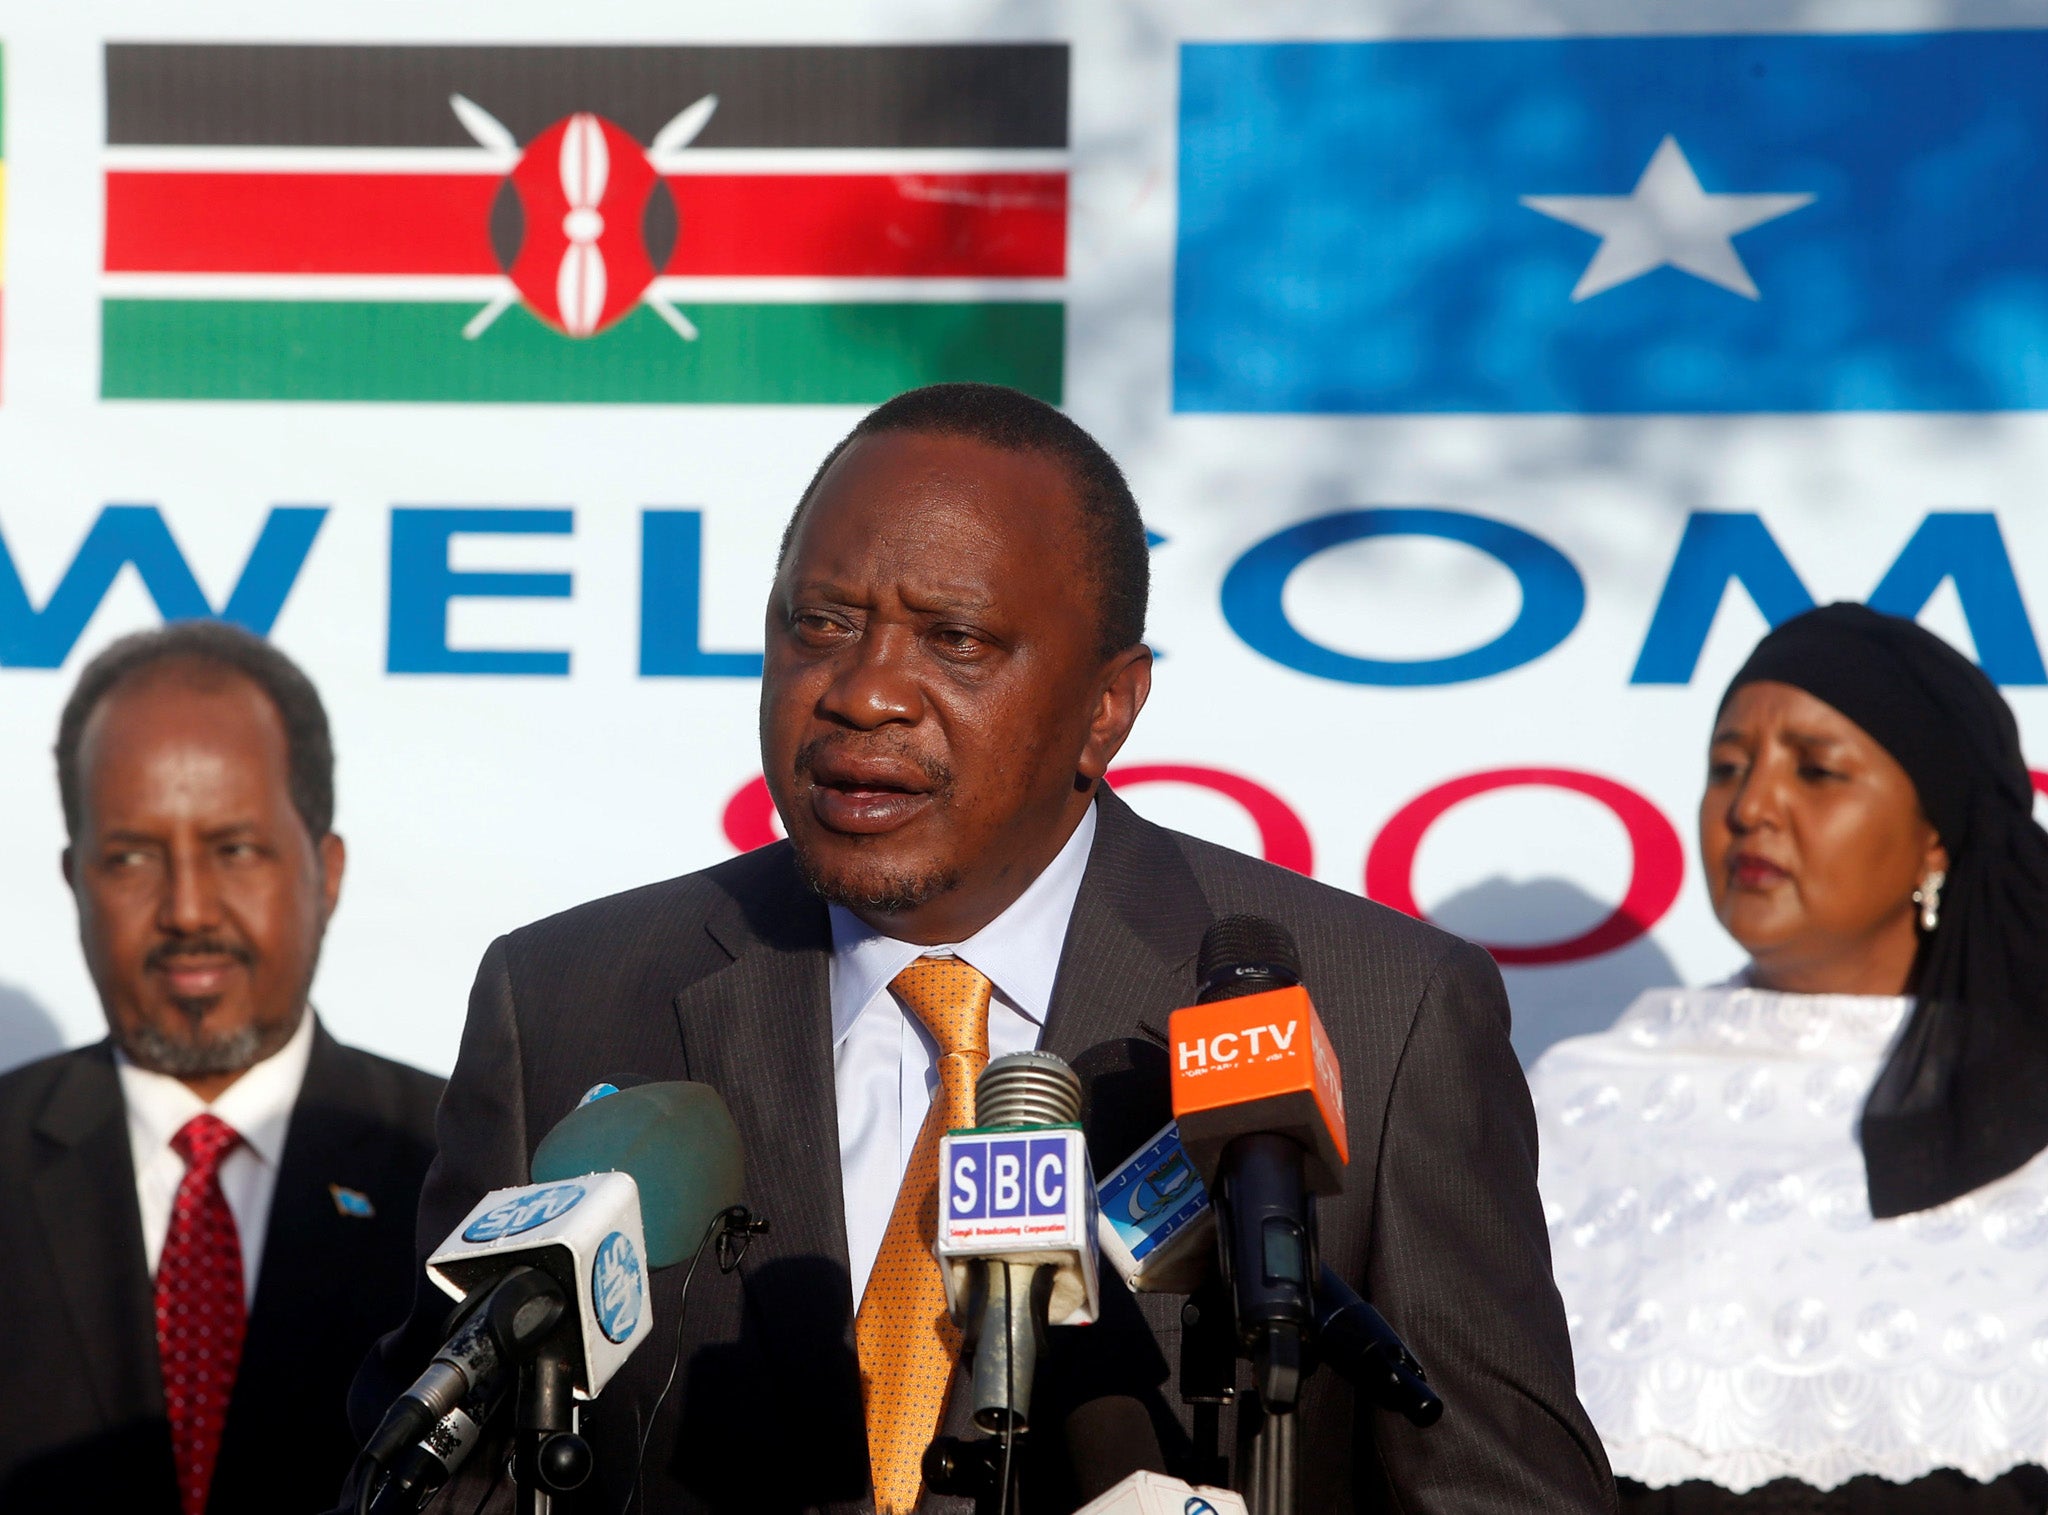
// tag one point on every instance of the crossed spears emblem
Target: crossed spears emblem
(583, 187)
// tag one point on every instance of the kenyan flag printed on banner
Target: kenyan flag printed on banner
(709, 225)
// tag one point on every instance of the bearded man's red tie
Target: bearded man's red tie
(201, 1311)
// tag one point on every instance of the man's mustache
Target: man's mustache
(164, 953)
(937, 775)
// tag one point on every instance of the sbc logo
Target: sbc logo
(1001, 1178)
(522, 1212)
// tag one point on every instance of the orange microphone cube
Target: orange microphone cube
(1262, 1062)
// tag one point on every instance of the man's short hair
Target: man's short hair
(309, 749)
(1012, 421)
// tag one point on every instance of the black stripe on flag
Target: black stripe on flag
(1000, 95)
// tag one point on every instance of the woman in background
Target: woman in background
(1800, 1222)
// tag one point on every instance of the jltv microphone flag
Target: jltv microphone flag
(1617, 224)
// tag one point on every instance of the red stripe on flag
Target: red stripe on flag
(300, 223)
(875, 226)
(758, 225)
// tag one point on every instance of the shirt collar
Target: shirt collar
(1018, 951)
(258, 1104)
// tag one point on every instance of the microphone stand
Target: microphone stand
(1266, 1224)
(1005, 1363)
(1208, 1375)
(548, 1456)
(1272, 1462)
(1354, 1339)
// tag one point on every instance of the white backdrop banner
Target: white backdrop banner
(1490, 377)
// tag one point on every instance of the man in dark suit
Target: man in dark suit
(210, 1212)
(954, 657)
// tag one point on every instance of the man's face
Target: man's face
(935, 708)
(201, 899)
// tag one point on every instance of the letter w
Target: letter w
(136, 535)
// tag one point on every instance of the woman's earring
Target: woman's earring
(1928, 898)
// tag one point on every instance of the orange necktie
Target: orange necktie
(907, 1342)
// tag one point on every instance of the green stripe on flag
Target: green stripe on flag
(850, 354)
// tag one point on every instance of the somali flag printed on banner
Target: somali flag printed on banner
(1642, 224)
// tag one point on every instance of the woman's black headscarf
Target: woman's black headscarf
(1963, 1098)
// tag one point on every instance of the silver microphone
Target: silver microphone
(1024, 1090)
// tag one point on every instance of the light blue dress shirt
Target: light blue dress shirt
(885, 1064)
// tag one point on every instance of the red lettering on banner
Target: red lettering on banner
(2040, 780)
(1654, 879)
(750, 816)
(1283, 839)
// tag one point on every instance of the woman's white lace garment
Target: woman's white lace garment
(1736, 1313)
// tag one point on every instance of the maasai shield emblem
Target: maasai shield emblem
(591, 219)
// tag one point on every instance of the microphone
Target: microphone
(1157, 1494)
(1156, 1229)
(1259, 1102)
(551, 1277)
(1017, 1227)
(418, 1473)
(1356, 1340)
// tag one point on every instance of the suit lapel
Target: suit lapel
(84, 1190)
(320, 1271)
(757, 1026)
(310, 1249)
(1130, 950)
(754, 1011)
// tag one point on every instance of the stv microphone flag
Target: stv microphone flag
(1615, 224)
(586, 1233)
(733, 225)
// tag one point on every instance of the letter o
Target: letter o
(749, 818)
(1553, 596)
(1283, 839)
(1654, 879)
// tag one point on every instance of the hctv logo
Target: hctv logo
(1263, 1044)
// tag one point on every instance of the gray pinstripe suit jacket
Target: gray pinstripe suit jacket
(721, 976)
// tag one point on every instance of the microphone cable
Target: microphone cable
(734, 1228)
(365, 1474)
(1010, 1384)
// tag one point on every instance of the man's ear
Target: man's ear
(1125, 686)
(64, 862)
(333, 862)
